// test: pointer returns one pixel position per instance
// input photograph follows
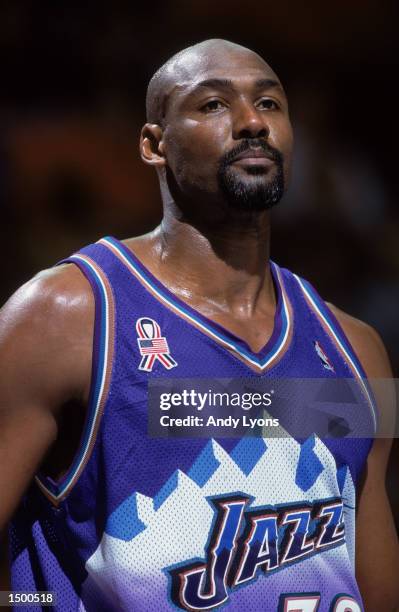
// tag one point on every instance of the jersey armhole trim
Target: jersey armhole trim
(337, 334)
(103, 348)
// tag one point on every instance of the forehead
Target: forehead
(241, 65)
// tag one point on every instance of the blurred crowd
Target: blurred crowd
(72, 104)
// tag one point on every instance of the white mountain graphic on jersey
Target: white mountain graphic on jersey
(144, 535)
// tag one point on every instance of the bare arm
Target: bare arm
(46, 333)
(377, 553)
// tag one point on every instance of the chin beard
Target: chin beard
(258, 192)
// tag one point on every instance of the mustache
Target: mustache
(247, 145)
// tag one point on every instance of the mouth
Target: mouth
(253, 157)
(247, 162)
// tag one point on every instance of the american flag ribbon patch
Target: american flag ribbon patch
(152, 345)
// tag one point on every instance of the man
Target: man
(116, 520)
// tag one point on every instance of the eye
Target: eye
(212, 106)
(268, 104)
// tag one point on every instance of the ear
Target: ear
(151, 145)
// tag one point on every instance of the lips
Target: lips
(253, 156)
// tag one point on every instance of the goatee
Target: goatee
(256, 194)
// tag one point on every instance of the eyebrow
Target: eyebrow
(228, 84)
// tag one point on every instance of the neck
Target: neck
(223, 263)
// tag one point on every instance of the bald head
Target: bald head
(185, 66)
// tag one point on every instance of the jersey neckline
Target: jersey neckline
(267, 356)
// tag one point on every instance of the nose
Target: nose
(249, 122)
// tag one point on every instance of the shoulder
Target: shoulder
(366, 343)
(364, 339)
(46, 331)
(61, 291)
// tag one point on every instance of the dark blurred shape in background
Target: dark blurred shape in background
(72, 104)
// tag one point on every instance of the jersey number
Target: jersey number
(309, 602)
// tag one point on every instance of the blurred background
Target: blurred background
(74, 78)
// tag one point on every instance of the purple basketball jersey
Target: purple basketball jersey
(145, 524)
